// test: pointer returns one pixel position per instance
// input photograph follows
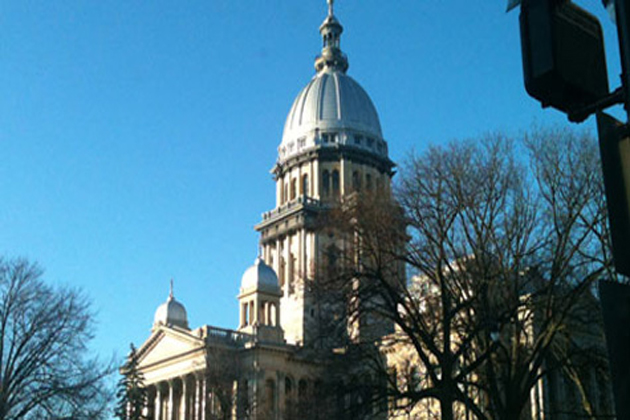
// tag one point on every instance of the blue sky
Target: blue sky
(136, 137)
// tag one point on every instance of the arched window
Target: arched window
(293, 188)
(302, 389)
(335, 183)
(326, 183)
(270, 394)
(303, 402)
(356, 181)
(304, 185)
(288, 386)
(245, 316)
(289, 398)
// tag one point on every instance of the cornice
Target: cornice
(335, 153)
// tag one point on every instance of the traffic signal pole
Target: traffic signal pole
(622, 12)
(565, 67)
(614, 140)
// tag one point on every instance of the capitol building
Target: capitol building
(332, 146)
(274, 366)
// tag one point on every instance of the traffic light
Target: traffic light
(564, 62)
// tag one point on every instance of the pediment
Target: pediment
(168, 344)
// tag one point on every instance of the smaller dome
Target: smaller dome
(171, 313)
(260, 277)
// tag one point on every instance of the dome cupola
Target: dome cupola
(259, 303)
(260, 277)
(171, 313)
(333, 110)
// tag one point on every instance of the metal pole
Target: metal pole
(622, 11)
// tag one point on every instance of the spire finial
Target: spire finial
(170, 295)
(331, 30)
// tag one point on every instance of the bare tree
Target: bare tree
(500, 258)
(224, 375)
(44, 333)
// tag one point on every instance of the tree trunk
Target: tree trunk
(446, 406)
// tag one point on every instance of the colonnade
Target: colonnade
(273, 397)
(259, 312)
(179, 399)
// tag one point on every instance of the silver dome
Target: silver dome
(171, 313)
(333, 109)
(331, 101)
(260, 277)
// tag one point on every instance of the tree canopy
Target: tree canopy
(44, 365)
(501, 243)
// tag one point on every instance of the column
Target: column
(197, 407)
(158, 402)
(204, 398)
(211, 402)
(342, 177)
(299, 182)
(255, 397)
(279, 186)
(276, 258)
(314, 184)
(235, 400)
(302, 253)
(289, 264)
(256, 310)
(315, 254)
(183, 401)
(170, 408)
